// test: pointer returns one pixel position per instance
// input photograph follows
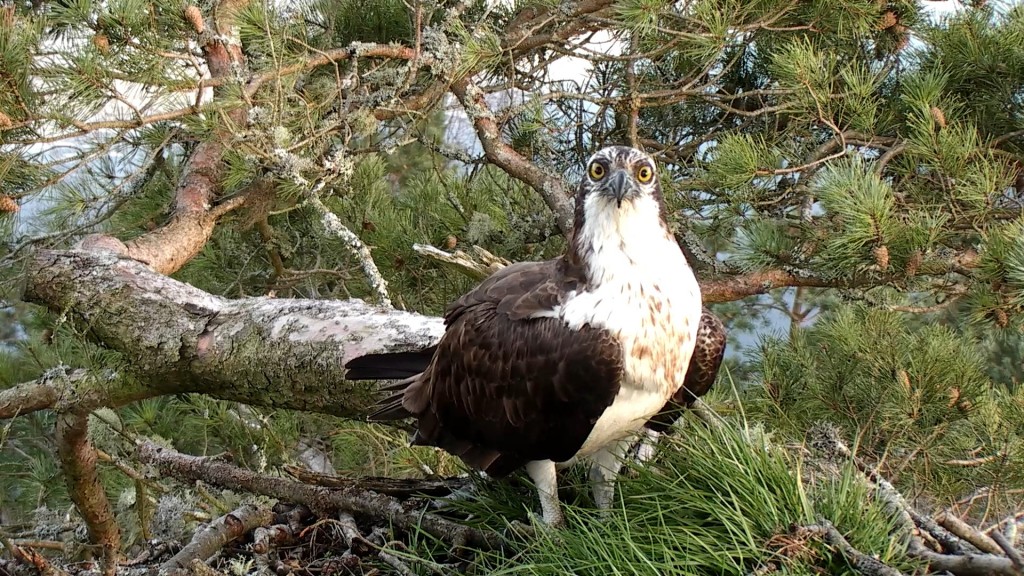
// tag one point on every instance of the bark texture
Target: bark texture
(178, 339)
(78, 460)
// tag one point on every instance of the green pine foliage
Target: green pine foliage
(917, 399)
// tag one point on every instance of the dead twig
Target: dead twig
(30, 557)
(860, 561)
(397, 487)
(322, 501)
(393, 561)
(478, 265)
(266, 538)
(1007, 547)
(968, 533)
(211, 539)
(357, 543)
(964, 565)
(154, 551)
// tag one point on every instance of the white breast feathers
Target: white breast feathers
(643, 291)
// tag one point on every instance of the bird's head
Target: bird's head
(619, 204)
(619, 174)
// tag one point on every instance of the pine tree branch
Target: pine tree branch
(170, 247)
(523, 35)
(551, 187)
(64, 389)
(322, 501)
(333, 225)
(264, 352)
(284, 353)
(861, 562)
(735, 287)
(217, 534)
(78, 462)
(32, 396)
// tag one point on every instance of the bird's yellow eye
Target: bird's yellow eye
(644, 174)
(596, 170)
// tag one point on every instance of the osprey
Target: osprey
(547, 362)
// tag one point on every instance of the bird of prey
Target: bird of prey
(546, 362)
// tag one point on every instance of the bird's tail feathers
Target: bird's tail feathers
(392, 407)
(389, 366)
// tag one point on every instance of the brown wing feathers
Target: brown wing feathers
(504, 388)
(524, 390)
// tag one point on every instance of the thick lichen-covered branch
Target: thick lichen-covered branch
(260, 351)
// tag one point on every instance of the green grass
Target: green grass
(716, 501)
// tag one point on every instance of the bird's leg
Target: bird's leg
(646, 446)
(542, 472)
(605, 468)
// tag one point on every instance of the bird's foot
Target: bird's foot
(537, 525)
(443, 503)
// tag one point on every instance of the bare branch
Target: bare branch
(78, 461)
(211, 539)
(1007, 546)
(286, 353)
(479, 265)
(398, 487)
(551, 187)
(967, 533)
(322, 501)
(333, 225)
(966, 564)
(860, 561)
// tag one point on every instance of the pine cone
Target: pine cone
(938, 116)
(101, 42)
(5, 121)
(195, 18)
(914, 263)
(904, 379)
(7, 204)
(881, 254)
(888, 20)
(1002, 318)
(900, 31)
(954, 397)
(450, 242)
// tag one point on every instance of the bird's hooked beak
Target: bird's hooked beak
(620, 186)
